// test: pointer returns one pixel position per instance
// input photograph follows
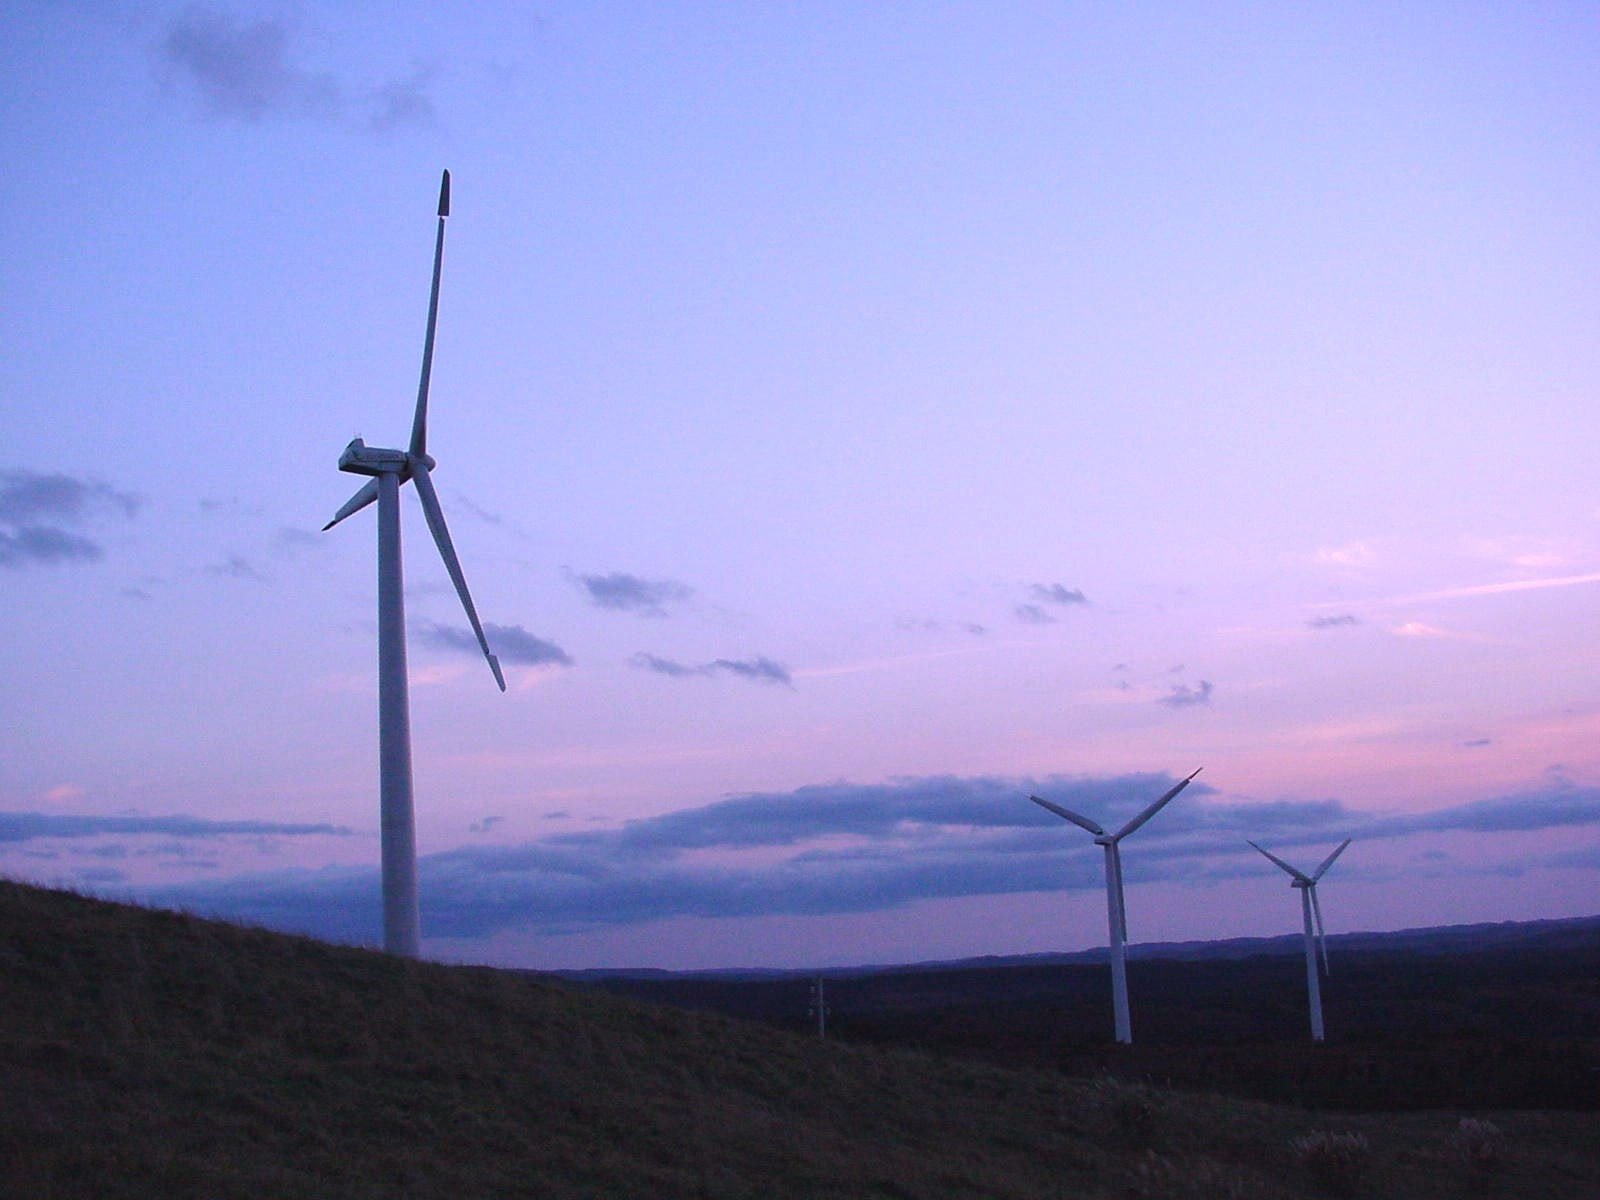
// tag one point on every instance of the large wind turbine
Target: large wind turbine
(1116, 912)
(1316, 939)
(388, 469)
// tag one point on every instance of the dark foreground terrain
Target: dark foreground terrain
(1475, 1017)
(148, 1054)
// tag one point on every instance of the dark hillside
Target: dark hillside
(148, 1054)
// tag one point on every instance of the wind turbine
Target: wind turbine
(1310, 908)
(1117, 914)
(388, 469)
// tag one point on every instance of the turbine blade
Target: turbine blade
(365, 495)
(1154, 808)
(1068, 815)
(419, 423)
(1328, 862)
(452, 564)
(1322, 934)
(1300, 875)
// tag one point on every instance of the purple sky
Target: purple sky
(851, 418)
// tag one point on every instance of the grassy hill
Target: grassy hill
(151, 1054)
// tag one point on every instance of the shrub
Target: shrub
(1129, 1112)
(1479, 1145)
(1336, 1162)
(1156, 1177)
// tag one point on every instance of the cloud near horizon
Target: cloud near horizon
(843, 847)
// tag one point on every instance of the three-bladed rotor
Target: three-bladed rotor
(1116, 909)
(1100, 835)
(415, 463)
(1308, 884)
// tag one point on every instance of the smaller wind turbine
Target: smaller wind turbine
(1117, 914)
(1316, 938)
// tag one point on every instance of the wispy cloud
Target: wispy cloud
(515, 644)
(1340, 621)
(27, 496)
(291, 537)
(236, 566)
(1055, 593)
(510, 643)
(403, 103)
(460, 501)
(1183, 696)
(36, 509)
(630, 593)
(245, 70)
(1504, 588)
(845, 847)
(30, 826)
(253, 70)
(1351, 554)
(1419, 629)
(44, 544)
(1472, 591)
(758, 670)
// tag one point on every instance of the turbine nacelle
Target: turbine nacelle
(361, 459)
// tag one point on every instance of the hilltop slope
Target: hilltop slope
(151, 1054)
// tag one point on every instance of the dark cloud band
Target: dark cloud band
(845, 848)
(29, 826)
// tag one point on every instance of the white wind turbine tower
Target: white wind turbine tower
(1311, 908)
(1116, 912)
(388, 469)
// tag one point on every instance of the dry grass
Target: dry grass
(147, 1054)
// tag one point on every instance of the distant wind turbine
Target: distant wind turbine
(1316, 938)
(1117, 914)
(388, 469)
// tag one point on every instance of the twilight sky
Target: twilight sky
(851, 418)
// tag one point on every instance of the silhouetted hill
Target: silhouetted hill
(150, 1054)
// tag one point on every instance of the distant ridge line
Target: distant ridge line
(1430, 939)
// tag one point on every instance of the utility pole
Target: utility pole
(819, 1007)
